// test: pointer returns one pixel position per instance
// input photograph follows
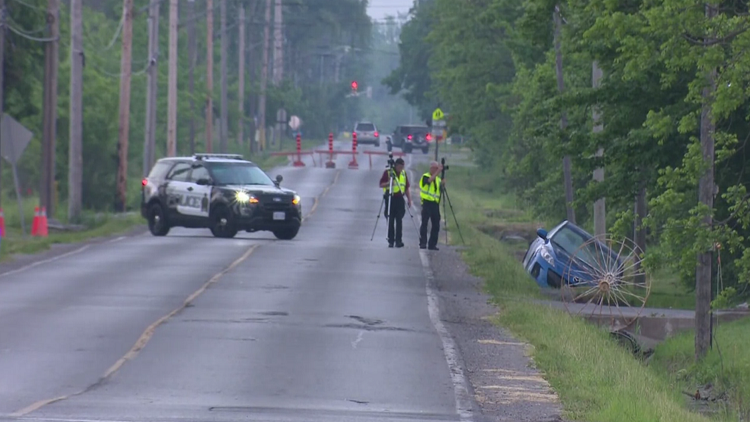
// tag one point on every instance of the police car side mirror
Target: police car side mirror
(279, 178)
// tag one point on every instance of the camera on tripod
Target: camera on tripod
(442, 163)
(391, 162)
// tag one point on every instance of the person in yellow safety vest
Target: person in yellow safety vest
(430, 185)
(400, 189)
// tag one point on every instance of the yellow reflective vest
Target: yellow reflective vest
(431, 192)
(399, 183)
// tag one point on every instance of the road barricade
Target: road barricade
(295, 158)
(371, 153)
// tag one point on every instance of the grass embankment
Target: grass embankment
(92, 225)
(597, 380)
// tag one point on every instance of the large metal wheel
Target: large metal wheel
(614, 285)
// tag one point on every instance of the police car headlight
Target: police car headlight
(547, 256)
(245, 198)
(242, 197)
(296, 200)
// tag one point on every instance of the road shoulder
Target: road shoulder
(59, 250)
(505, 383)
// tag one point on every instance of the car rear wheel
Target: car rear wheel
(157, 221)
(407, 149)
(286, 234)
(221, 223)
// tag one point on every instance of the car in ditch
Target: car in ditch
(222, 192)
(569, 255)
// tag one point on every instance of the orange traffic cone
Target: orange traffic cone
(35, 222)
(42, 229)
(2, 223)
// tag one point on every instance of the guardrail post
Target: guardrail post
(353, 164)
(330, 164)
(299, 162)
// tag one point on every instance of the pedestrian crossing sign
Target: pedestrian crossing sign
(437, 114)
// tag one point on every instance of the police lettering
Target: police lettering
(191, 201)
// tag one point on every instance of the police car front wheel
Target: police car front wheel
(222, 224)
(157, 221)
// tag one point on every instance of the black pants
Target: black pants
(430, 214)
(398, 209)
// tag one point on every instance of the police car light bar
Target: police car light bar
(231, 156)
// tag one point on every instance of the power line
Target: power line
(29, 37)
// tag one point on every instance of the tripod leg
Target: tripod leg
(377, 219)
(454, 217)
(445, 215)
(412, 220)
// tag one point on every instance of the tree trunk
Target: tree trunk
(75, 144)
(600, 220)
(224, 122)
(193, 54)
(124, 127)
(706, 197)
(567, 177)
(639, 231)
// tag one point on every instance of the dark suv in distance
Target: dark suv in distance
(221, 192)
(367, 133)
(410, 137)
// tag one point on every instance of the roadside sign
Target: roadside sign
(15, 138)
(437, 115)
(294, 122)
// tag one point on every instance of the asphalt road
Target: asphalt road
(330, 326)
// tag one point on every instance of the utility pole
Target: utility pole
(224, 102)
(278, 55)
(124, 126)
(2, 81)
(707, 190)
(149, 146)
(209, 74)
(193, 53)
(600, 222)
(264, 79)
(50, 108)
(172, 86)
(567, 177)
(241, 89)
(75, 146)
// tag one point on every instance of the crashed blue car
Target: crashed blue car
(550, 258)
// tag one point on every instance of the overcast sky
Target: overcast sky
(378, 9)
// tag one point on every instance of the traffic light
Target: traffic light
(355, 85)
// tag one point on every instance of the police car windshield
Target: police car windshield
(239, 174)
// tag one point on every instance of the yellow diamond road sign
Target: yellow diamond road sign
(437, 114)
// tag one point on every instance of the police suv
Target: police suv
(221, 192)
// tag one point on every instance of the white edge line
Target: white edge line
(45, 261)
(464, 402)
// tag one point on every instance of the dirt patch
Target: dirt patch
(511, 232)
(507, 215)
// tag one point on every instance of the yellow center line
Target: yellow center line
(142, 340)
(325, 191)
